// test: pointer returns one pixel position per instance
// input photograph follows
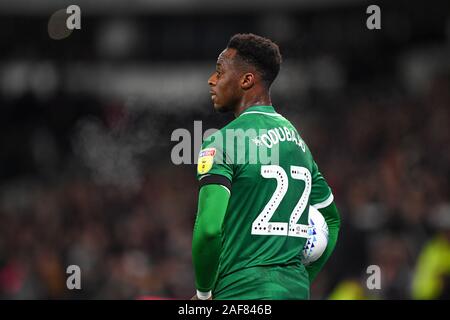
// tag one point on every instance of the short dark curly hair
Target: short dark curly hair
(260, 52)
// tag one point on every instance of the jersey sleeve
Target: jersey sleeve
(214, 166)
(207, 235)
(321, 195)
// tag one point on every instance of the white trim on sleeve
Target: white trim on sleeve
(325, 203)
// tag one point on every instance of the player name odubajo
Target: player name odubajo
(280, 134)
(250, 145)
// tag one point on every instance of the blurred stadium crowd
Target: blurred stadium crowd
(88, 180)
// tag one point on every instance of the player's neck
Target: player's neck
(253, 99)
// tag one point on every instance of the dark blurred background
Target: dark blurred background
(86, 118)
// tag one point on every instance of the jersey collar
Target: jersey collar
(259, 109)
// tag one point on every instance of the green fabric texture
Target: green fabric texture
(270, 244)
(207, 235)
(289, 282)
(331, 215)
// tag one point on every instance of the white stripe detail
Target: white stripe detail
(265, 113)
(325, 203)
(229, 192)
(204, 295)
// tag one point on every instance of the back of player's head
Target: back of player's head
(260, 52)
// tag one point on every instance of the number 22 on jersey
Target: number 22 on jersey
(262, 224)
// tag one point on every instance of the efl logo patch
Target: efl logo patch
(205, 160)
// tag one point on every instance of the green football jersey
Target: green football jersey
(274, 180)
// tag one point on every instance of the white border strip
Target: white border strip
(264, 113)
(325, 203)
(229, 192)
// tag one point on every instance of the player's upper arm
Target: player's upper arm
(213, 165)
(321, 195)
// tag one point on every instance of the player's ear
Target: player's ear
(247, 80)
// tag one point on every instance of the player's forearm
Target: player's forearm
(205, 256)
(207, 240)
(331, 215)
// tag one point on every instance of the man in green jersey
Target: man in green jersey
(257, 180)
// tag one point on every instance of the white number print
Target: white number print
(261, 225)
(300, 230)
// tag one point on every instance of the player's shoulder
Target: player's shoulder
(240, 122)
(217, 138)
(236, 129)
